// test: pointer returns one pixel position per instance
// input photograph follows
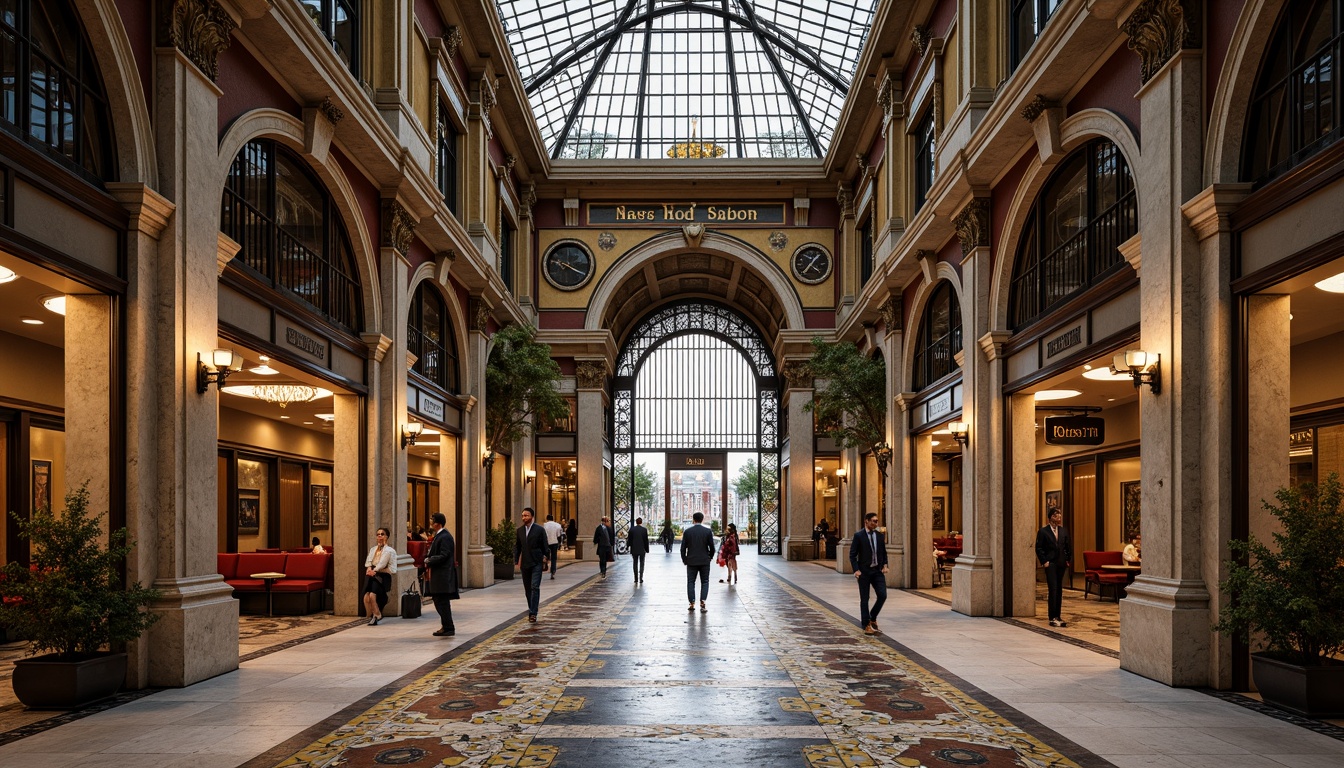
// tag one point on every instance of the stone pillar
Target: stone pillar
(851, 277)
(1020, 446)
(174, 432)
(89, 349)
(1164, 623)
(799, 514)
(901, 510)
(920, 531)
(478, 564)
(351, 475)
(977, 581)
(592, 498)
(479, 184)
(892, 345)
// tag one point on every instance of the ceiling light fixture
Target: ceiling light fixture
(8, 275)
(1332, 284)
(327, 417)
(279, 394)
(264, 369)
(1105, 374)
(55, 304)
(31, 321)
(1056, 394)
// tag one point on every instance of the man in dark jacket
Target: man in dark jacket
(441, 573)
(868, 558)
(639, 547)
(1052, 552)
(605, 541)
(697, 552)
(532, 554)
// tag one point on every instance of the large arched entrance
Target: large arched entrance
(696, 385)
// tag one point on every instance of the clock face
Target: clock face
(811, 264)
(567, 266)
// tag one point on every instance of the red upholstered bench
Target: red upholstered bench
(1093, 573)
(303, 590)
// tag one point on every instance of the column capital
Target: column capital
(893, 313)
(591, 374)
(150, 211)
(992, 343)
(798, 373)
(905, 401)
(1131, 249)
(200, 29)
(1159, 29)
(378, 344)
(398, 226)
(845, 197)
(1210, 212)
(921, 36)
(226, 249)
(972, 225)
(478, 314)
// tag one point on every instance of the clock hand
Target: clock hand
(813, 262)
(569, 266)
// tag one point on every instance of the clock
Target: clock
(567, 266)
(811, 264)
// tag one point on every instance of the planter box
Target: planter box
(503, 572)
(43, 682)
(1310, 691)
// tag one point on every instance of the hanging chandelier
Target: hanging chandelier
(279, 394)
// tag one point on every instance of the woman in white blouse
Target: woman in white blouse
(378, 569)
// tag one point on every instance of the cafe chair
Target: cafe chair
(1095, 574)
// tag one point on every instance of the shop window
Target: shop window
(290, 231)
(866, 251)
(1072, 238)
(51, 94)
(339, 22)
(1026, 19)
(507, 234)
(939, 337)
(429, 336)
(1295, 111)
(447, 166)
(925, 149)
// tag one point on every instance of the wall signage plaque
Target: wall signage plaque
(694, 461)
(1075, 430)
(677, 214)
(300, 340)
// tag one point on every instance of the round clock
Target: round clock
(567, 266)
(811, 264)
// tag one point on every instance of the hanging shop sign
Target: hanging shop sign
(677, 214)
(1075, 430)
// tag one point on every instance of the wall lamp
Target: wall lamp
(529, 475)
(843, 474)
(410, 433)
(223, 363)
(487, 457)
(959, 431)
(1144, 367)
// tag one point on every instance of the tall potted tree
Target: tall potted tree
(850, 402)
(72, 603)
(501, 539)
(1289, 599)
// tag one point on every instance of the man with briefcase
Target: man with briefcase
(441, 574)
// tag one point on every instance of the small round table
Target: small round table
(270, 577)
(1130, 572)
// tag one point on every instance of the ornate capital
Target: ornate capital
(332, 112)
(200, 29)
(845, 197)
(527, 200)
(993, 342)
(452, 40)
(398, 227)
(1035, 108)
(798, 373)
(1158, 29)
(478, 314)
(488, 99)
(973, 224)
(920, 37)
(591, 375)
(509, 162)
(893, 313)
(889, 96)
(693, 233)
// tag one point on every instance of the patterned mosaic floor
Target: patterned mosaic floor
(619, 673)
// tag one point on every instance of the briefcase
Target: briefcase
(410, 603)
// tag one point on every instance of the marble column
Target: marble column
(901, 507)
(1021, 449)
(892, 342)
(592, 497)
(478, 564)
(799, 514)
(89, 347)
(349, 540)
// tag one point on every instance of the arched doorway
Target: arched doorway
(696, 380)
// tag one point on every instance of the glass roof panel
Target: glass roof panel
(686, 78)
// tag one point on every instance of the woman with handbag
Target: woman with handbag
(728, 550)
(378, 569)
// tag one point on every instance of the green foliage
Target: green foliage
(72, 600)
(850, 402)
(644, 481)
(501, 539)
(520, 387)
(1292, 594)
(714, 526)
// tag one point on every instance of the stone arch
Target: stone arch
(1232, 96)
(457, 314)
(675, 242)
(1073, 133)
(128, 109)
(942, 272)
(288, 130)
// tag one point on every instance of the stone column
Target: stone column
(592, 492)
(479, 185)
(1021, 450)
(901, 510)
(351, 479)
(892, 344)
(478, 565)
(1164, 623)
(851, 278)
(921, 512)
(799, 513)
(173, 317)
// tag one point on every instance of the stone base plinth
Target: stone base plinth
(1164, 631)
(842, 557)
(478, 568)
(796, 548)
(973, 586)
(196, 636)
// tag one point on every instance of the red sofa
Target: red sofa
(1095, 574)
(303, 590)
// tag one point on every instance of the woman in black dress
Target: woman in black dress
(378, 569)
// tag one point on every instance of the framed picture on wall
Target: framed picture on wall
(939, 513)
(1130, 508)
(1052, 502)
(249, 511)
(41, 484)
(321, 506)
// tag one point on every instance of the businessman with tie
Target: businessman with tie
(868, 557)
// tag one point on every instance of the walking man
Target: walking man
(531, 553)
(1052, 552)
(697, 552)
(639, 547)
(602, 538)
(667, 536)
(868, 558)
(441, 573)
(554, 534)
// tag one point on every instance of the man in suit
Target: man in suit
(604, 540)
(554, 533)
(441, 573)
(639, 547)
(532, 554)
(1052, 552)
(868, 558)
(697, 552)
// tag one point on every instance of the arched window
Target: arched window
(1026, 20)
(339, 22)
(939, 337)
(51, 94)
(1073, 236)
(290, 231)
(1295, 112)
(429, 336)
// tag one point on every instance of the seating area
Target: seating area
(951, 549)
(1095, 574)
(417, 549)
(308, 579)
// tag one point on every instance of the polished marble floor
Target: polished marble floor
(773, 674)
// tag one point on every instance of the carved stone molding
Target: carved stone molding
(509, 162)
(1035, 107)
(377, 345)
(693, 234)
(889, 96)
(845, 197)
(906, 400)
(200, 29)
(973, 224)
(488, 97)
(1159, 29)
(591, 375)
(527, 200)
(798, 373)
(478, 314)
(398, 227)
(452, 40)
(993, 342)
(332, 112)
(920, 36)
(893, 313)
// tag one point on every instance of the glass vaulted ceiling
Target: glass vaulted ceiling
(699, 78)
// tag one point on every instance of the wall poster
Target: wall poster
(41, 484)
(321, 506)
(939, 513)
(249, 511)
(1130, 509)
(1052, 503)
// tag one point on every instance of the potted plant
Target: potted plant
(1290, 599)
(72, 603)
(501, 539)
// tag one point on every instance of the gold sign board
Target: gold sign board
(677, 214)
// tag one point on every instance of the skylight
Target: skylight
(652, 79)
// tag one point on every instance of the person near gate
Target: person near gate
(532, 555)
(639, 547)
(667, 537)
(728, 552)
(697, 552)
(554, 534)
(605, 541)
(868, 558)
(441, 573)
(1052, 552)
(378, 569)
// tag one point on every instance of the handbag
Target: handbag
(410, 603)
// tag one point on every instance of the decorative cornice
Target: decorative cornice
(972, 224)
(889, 96)
(488, 99)
(200, 29)
(893, 313)
(920, 36)
(452, 40)
(377, 345)
(149, 211)
(1159, 29)
(845, 197)
(591, 375)
(1035, 108)
(226, 248)
(333, 113)
(1210, 212)
(398, 227)
(906, 400)
(993, 342)
(798, 373)
(478, 312)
